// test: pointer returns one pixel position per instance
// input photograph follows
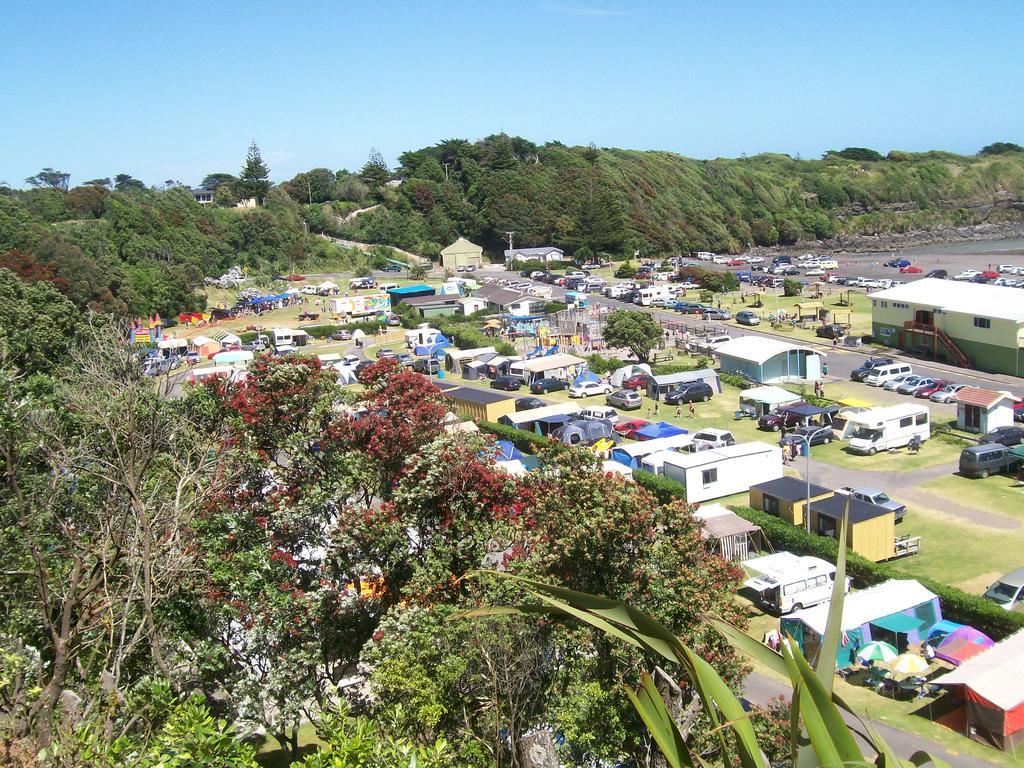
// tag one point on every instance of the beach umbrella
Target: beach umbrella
(877, 651)
(908, 664)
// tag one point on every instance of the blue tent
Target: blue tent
(659, 429)
(586, 376)
(507, 451)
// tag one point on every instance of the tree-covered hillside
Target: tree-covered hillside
(615, 200)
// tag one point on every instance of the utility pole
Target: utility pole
(446, 171)
(309, 190)
(509, 235)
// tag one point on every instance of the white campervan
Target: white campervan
(652, 294)
(883, 373)
(785, 582)
(881, 429)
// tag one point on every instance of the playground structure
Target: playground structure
(577, 330)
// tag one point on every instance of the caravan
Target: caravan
(785, 582)
(653, 295)
(882, 429)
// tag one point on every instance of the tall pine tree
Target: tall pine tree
(376, 170)
(254, 181)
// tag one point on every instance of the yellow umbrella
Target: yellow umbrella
(908, 664)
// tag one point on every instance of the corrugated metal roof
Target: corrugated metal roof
(979, 299)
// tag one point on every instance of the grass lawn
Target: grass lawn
(998, 494)
(270, 754)
(932, 452)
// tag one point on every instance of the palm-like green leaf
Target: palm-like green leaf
(652, 710)
(826, 666)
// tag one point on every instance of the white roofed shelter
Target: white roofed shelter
(769, 361)
(757, 401)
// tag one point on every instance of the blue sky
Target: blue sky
(176, 90)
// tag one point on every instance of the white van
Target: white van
(881, 429)
(878, 376)
(785, 582)
(828, 264)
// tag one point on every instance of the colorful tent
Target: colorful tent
(657, 430)
(962, 644)
(507, 451)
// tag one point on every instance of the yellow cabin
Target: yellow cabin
(480, 404)
(871, 530)
(786, 497)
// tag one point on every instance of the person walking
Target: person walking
(693, 411)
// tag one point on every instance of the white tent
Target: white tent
(627, 371)
(346, 374)
(326, 287)
(293, 291)
(233, 356)
(358, 333)
(170, 342)
(513, 467)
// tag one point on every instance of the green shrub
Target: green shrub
(527, 442)
(792, 287)
(735, 380)
(664, 489)
(626, 271)
(466, 335)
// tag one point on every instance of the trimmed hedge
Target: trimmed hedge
(665, 490)
(467, 336)
(527, 442)
(956, 604)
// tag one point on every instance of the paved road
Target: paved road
(841, 361)
(760, 689)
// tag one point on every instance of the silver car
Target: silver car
(898, 381)
(946, 394)
(624, 399)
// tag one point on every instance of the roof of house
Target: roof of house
(758, 349)
(980, 299)
(715, 455)
(411, 289)
(462, 245)
(866, 605)
(834, 507)
(789, 489)
(986, 398)
(542, 251)
(720, 522)
(474, 395)
(996, 674)
(495, 294)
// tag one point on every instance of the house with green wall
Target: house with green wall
(973, 325)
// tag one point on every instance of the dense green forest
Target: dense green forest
(616, 200)
(120, 246)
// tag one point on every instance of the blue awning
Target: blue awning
(660, 429)
(899, 623)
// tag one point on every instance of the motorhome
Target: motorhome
(882, 429)
(785, 582)
(651, 294)
(287, 337)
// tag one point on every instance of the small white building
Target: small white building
(769, 361)
(720, 472)
(546, 254)
(982, 410)
(283, 337)
(471, 304)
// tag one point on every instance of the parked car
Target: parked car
(938, 274)
(507, 383)
(1008, 436)
(747, 317)
(588, 388)
(341, 335)
(389, 267)
(385, 352)
(255, 346)
(543, 386)
(691, 392)
(712, 438)
(713, 313)
(404, 358)
(755, 260)
(937, 386)
(830, 331)
(630, 427)
(858, 374)
(775, 420)
(1008, 591)
(987, 459)
(529, 403)
(911, 387)
(892, 384)
(638, 381)
(426, 365)
(911, 269)
(946, 394)
(626, 399)
(877, 497)
(813, 434)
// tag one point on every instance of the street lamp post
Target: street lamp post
(807, 478)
